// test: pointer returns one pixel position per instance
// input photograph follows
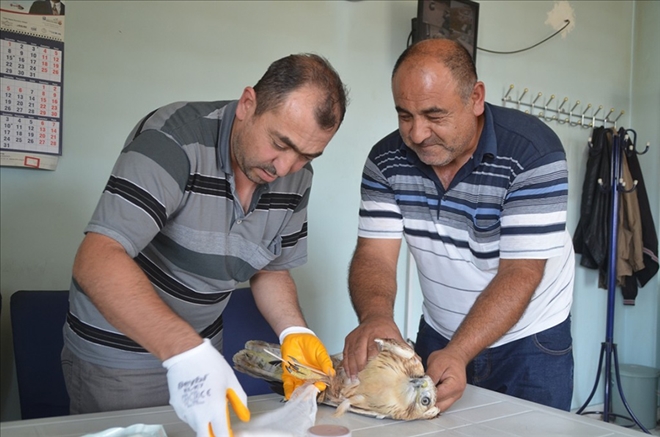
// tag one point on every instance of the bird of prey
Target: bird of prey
(392, 384)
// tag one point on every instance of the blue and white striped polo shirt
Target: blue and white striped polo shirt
(508, 201)
(171, 203)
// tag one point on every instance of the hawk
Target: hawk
(392, 384)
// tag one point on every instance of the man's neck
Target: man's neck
(244, 188)
(446, 173)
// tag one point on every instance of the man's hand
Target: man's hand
(496, 310)
(359, 345)
(448, 372)
(303, 345)
(200, 382)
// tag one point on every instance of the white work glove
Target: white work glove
(200, 382)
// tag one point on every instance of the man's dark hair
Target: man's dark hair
(453, 56)
(295, 71)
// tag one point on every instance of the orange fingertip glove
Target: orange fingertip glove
(303, 345)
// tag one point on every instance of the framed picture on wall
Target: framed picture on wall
(457, 20)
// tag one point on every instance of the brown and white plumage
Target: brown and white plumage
(392, 384)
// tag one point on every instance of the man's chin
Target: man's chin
(433, 159)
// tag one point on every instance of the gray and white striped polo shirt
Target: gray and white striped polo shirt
(170, 201)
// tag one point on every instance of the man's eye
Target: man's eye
(279, 147)
(438, 119)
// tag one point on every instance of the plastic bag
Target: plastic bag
(292, 420)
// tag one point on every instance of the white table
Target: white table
(478, 413)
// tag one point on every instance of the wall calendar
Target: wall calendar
(31, 76)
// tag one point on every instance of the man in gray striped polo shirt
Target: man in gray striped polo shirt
(204, 195)
(479, 193)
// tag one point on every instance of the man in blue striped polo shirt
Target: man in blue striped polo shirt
(479, 193)
(204, 195)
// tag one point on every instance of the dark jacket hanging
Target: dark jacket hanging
(637, 254)
(591, 235)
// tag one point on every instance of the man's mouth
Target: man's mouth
(267, 176)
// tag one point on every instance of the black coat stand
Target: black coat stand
(608, 347)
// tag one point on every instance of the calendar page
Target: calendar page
(31, 73)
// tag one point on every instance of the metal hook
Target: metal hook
(607, 117)
(634, 142)
(506, 96)
(631, 146)
(581, 122)
(646, 149)
(575, 106)
(545, 108)
(570, 115)
(522, 95)
(617, 119)
(593, 117)
(622, 186)
(602, 186)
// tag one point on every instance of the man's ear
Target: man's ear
(478, 98)
(246, 104)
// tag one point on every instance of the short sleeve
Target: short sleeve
(145, 187)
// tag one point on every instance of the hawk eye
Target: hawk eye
(425, 401)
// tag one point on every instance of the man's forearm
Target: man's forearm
(277, 299)
(498, 308)
(125, 297)
(372, 278)
(371, 289)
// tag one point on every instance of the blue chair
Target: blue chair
(37, 318)
(242, 321)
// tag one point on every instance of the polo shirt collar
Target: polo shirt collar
(224, 135)
(224, 153)
(487, 141)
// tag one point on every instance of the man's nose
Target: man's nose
(419, 131)
(287, 163)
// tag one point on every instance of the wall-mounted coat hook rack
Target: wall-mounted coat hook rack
(578, 115)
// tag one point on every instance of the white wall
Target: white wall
(646, 113)
(123, 59)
